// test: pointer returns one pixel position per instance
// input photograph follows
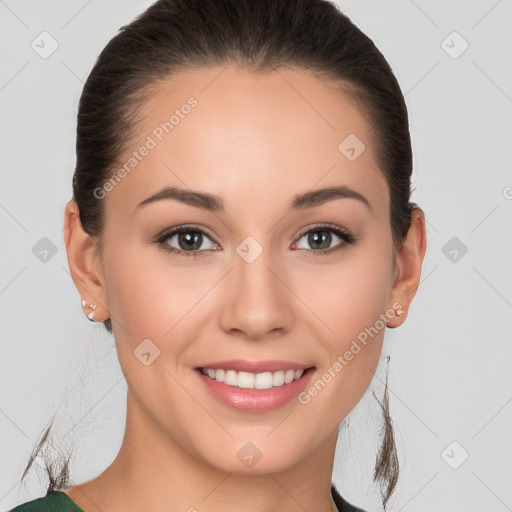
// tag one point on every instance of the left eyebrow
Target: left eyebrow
(323, 195)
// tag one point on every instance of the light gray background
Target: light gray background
(449, 375)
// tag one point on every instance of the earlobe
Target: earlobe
(84, 264)
(410, 257)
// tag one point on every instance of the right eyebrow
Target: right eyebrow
(202, 200)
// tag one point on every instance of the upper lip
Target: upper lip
(245, 365)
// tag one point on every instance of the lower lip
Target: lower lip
(256, 400)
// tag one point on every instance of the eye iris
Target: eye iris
(313, 238)
(187, 241)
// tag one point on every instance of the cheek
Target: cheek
(349, 299)
(145, 300)
(150, 297)
(349, 296)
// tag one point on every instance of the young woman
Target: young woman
(241, 222)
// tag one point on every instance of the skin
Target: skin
(257, 141)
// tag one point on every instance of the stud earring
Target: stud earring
(399, 312)
(90, 316)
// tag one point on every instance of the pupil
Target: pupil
(326, 236)
(190, 241)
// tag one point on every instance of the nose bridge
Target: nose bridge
(258, 301)
(253, 273)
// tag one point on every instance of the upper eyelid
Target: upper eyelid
(166, 233)
(329, 226)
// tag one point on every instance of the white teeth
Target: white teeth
(263, 380)
(231, 378)
(277, 378)
(245, 380)
(289, 376)
(248, 380)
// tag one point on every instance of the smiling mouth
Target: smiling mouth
(258, 381)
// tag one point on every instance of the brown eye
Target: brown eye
(320, 239)
(187, 241)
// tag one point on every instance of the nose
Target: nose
(258, 304)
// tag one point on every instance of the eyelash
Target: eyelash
(348, 239)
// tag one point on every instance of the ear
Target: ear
(409, 259)
(84, 260)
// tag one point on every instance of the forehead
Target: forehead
(240, 133)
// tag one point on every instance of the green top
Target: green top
(58, 501)
(55, 501)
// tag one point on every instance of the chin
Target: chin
(257, 457)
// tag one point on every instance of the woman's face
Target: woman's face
(256, 288)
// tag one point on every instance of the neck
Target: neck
(151, 472)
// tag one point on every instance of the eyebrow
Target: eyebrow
(214, 203)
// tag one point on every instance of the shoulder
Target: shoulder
(54, 501)
(341, 504)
